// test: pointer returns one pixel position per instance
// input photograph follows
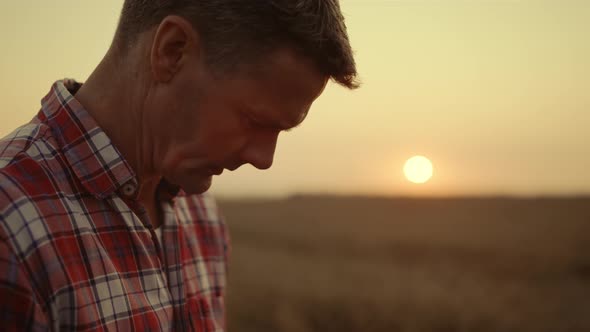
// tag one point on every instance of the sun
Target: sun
(418, 169)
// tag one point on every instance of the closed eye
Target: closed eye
(257, 123)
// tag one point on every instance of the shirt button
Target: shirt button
(128, 189)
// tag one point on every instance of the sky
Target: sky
(494, 93)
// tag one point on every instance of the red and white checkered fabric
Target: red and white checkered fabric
(74, 253)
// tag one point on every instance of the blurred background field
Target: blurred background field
(329, 263)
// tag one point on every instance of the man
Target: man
(102, 221)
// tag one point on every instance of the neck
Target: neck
(114, 96)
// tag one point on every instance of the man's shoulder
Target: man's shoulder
(31, 141)
(30, 151)
(29, 169)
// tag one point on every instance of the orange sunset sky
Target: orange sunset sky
(495, 93)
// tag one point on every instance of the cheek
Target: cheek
(209, 144)
(224, 134)
(206, 130)
(226, 144)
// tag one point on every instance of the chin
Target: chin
(197, 187)
(191, 182)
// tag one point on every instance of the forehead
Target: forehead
(286, 85)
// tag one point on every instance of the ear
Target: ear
(174, 42)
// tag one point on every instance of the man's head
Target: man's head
(225, 77)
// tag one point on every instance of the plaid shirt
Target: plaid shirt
(74, 253)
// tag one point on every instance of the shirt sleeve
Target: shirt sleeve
(19, 309)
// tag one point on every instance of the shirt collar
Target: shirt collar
(96, 162)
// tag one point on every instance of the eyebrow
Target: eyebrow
(302, 117)
(289, 128)
(292, 127)
(272, 124)
(280, 126)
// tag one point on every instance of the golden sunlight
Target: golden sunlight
(418, 169)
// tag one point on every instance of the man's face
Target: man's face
(208, 123)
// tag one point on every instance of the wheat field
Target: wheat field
(322, 263)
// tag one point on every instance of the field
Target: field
(321, 263)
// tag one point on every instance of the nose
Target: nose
(261, 149)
